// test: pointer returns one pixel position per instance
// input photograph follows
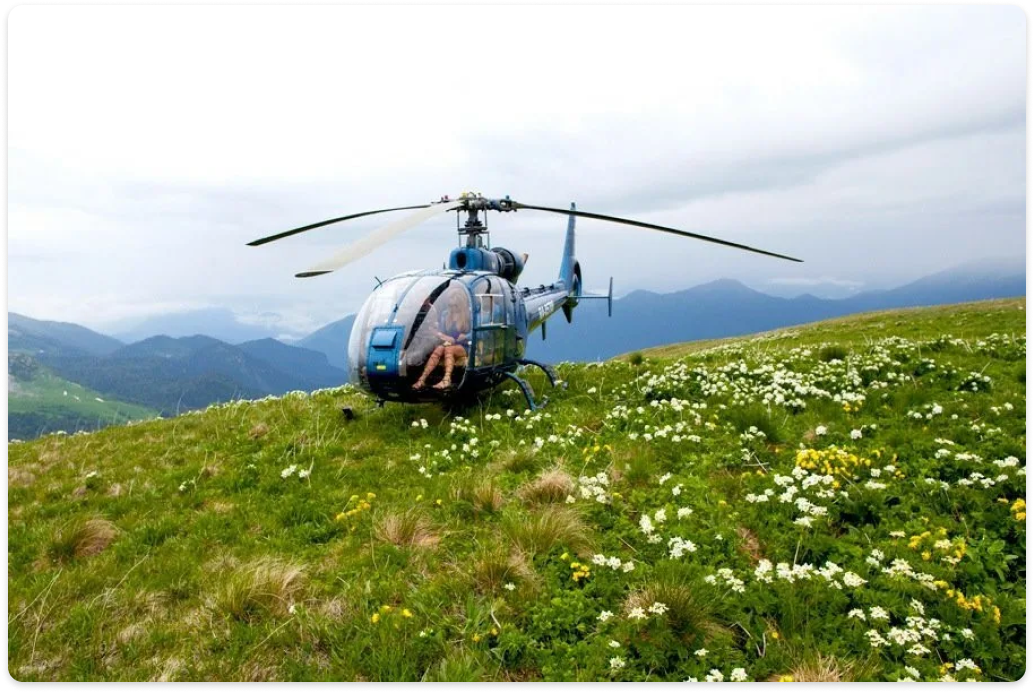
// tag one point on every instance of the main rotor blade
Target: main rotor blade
(655, 227)
(379, 237)
(300, 229)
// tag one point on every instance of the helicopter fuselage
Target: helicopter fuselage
(411, 315)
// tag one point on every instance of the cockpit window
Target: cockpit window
(433, 313)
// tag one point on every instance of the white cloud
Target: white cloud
(148, 144)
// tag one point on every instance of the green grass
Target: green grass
(48, 403)
(617, 534)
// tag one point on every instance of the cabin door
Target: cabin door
(495, 337)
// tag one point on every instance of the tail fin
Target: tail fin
(567, 261)
(570, 274)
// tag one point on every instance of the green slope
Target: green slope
(635, 529)
(38, 401)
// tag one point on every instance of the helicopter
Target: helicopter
(437, 335)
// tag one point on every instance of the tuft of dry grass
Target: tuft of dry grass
(544, 529)
(482, 495)
(409, 528)
(258, 431)
(749, 544)
(551, 486)
(266, 585)
(688, 612)
(19, 476)
(81, 538)
(498, 566)
(822, 668)
(519, 460)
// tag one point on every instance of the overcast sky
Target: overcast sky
(147, 145)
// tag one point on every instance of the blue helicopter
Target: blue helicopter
(436, 335)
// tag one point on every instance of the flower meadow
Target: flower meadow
(839, 501)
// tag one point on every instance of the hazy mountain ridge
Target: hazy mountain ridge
(721, 308)
(171, 374)
(47, 336)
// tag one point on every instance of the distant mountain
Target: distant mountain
(220, 323)
(25, 334)
(307, 364)
(975, 281)
(726, 308)
(167, 347)
(332, 340)
(722, 308)
(173, 374)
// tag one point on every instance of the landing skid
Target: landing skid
(529, 395)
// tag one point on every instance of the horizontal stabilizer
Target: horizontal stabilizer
(609, 296)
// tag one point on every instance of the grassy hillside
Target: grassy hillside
(844, 500)
(40, 401)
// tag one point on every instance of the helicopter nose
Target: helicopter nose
(382, 358)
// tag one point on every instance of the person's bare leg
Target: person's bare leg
(450, 362)
(432, 363)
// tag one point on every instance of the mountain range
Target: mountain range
(66, 377)
(170, 374)
(723, 308)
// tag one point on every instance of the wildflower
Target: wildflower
(509, 587)
(605, 616)
(856, 613)
(853, 580)
(614, 643)
(875, 639)
(820, 430)
(738, 674)
(288, 471)
(878, 613)
(406, 613)
(714, 676)
(617, 663)
(637, 614)
(702, 652)
(375, 618)
(304, 474)
(658, 608)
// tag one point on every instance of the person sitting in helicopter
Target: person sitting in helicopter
(455, 337)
